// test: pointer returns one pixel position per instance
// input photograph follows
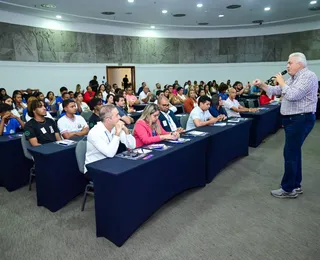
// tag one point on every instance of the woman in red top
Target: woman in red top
(88, 95)
(264, 99)
(148, 129)
(190, 102)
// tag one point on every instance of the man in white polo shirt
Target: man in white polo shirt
(200, 115)
(233, 107)
(145, 95)
(71, 125)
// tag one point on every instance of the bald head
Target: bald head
(163, 103)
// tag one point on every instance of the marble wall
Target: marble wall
(23, 43)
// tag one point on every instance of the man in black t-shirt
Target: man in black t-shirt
(125, 81)
(40, 130)
(95, 105)
(94, 84)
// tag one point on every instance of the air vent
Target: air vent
(108, 13)
(179, 15)
(314, 8)
(233, 6)
(203, 23)
(128, 13)
(258, 21)
(49, 6)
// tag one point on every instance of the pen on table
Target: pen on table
(148, 157)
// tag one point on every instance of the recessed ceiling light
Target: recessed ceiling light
(152, 27)
(313, 2)
(267, 8)
(51, 6)
(130, 1)
(164, 11)
(199, 5)
(58, 16)
(221, 15)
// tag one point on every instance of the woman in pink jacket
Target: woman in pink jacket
(148, 129)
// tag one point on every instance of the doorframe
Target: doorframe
(133, 74)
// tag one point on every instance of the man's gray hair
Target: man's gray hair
(106, 112)
(301, 58)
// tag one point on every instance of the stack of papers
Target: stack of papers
(158, 147)
(134, 154)
(195, 133)
(234, 120)
(66, 142)
(220, 124)
(179, 141)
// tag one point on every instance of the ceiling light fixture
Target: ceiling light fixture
(267, 8)
(164, 11)
(199, 5)
(130, 1)
(50, 6)
(152, 27)
(58, 16)
(221, 15)
(313, 2)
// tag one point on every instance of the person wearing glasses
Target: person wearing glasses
(167, 118)
(148, 129)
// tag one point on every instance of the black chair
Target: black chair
(25, 144)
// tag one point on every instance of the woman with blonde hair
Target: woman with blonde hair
(148, 129)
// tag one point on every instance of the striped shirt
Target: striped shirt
(299, 95)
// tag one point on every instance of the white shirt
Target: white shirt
(197, 113)
(228, 104)
(172, 124)
(69, 125)
(104, 95)
(84, 107)
(15, 112)
(48, 115)
(102, 144)
(143, 95)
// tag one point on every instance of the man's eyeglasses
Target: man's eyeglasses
(165, 105)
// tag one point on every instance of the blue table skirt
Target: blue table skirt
(128, 192)
(224, 145)
(57, 175)
(265, 122)
(15, 167)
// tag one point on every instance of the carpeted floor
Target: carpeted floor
(234, 217)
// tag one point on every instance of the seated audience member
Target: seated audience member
(200, 115)
(191, 102)
(213, 87)
(223, 91)
(81, 106)
(158, 87)
(27, 93)
(254, 90)
(201, 93)
(9, 123)
(50, 99)
(168, 120)
(78, 89)
(180, 95)
(59, 100)
(264, 99)
(95, 105)
(141, 88)
(233, 107)
(105, 137)
(207, 91)
(99, 95)
(71, 125)
(8, 100)
(239, 88)
(65, 96)
(39, 96)
(161, 93)
(173, 99)
(88, 95)
(27, 116)
(216, 107)
(148, 129)
(131, 99)
(3, 93)
(17, 102)
(102, 89)
(110, 99)
(71, 93)
(120, 105)
(40, 129)
(145, 95)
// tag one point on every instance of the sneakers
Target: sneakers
(298, 190)
(281, 194)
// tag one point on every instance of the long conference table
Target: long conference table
(15, 168)
(128, 192)
(265, 122)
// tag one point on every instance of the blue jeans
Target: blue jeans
(296, 129)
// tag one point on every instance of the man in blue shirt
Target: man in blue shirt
(9, 123)
(120, 104)
(255, 90)
(59, 100)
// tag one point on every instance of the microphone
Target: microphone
(282, 73)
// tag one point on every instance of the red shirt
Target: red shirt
(264, 99)
(88, 96)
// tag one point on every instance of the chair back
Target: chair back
(184, 120)
(25, 144)
(86, 115)
(81, 150)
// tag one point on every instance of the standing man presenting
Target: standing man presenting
(298, 107)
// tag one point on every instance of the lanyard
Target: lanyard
(108, 136)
